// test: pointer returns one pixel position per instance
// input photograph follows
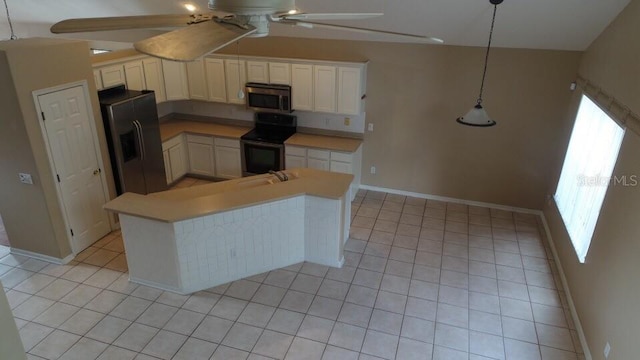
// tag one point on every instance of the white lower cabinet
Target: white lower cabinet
(175, 157)
(201, 158)
(228, 159)
(328, 160)
(318, 159)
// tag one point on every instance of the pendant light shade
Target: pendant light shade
(478, 116)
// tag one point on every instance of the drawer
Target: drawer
(227, 142)
(318, 154)
(293, 150)
(200, 139)
(342, 157)
(171, 142)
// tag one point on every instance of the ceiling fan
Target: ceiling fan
(227, 22)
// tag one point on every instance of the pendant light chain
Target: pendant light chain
(13, 34)
(486, 57)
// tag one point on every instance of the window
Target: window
(586, 172)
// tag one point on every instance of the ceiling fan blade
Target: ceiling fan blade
(192, 42)
(311, 25)
(331, 16)
(121, 23)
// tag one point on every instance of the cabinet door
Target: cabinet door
(228, 163)
(112, 75)
(167, 166)
(175, 80)
(318, 164)
(97, 79)
(197, 80)
(293, 161)
(258, 71)
(216, 81)
(201, 159)
(349, 90)
(324, 88)
(235, 79)
(178, 160)
(154, 77)
(280, 73)
(302, 86)
(341, 167)
(134, 73)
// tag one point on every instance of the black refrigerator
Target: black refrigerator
(133, 133)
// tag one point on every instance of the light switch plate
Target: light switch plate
(25, 178)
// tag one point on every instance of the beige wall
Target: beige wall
(606, 288)
(414, 95)
(31, 213)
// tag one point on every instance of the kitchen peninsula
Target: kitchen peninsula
(186, 240)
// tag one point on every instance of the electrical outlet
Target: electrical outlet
(25, 178)
(373, 170)
(607, 350)
(370, 127)
(347, 121)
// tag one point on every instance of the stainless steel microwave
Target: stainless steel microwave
(269, 97)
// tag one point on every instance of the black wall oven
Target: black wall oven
(263, 147)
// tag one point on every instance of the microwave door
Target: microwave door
(264, 101)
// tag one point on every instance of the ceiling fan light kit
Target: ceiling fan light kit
(228, 21)
(478, 116)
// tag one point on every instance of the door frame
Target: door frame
(92, 123)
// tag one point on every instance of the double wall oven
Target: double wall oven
(263, 147)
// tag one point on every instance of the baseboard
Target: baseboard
(450, 199)
(42, 257)
(565, 286)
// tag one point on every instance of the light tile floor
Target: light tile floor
(422, 280)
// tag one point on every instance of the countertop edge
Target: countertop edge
(170, 210)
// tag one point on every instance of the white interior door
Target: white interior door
(75, 161)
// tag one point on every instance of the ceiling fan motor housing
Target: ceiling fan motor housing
(253, 7)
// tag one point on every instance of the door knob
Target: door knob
(97, 171)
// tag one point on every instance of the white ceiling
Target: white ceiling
(534, 24)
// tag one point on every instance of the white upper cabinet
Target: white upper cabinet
(349, 90)
(235, 80)
(302, 86)
(216, 80)
(320, 86)
(197, 79)
(324, 88)
(112, 75)
(154, 77)
(175, 80)
(258, 71)
(134, 73)
(280, 73)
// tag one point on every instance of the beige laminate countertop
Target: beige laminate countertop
(173, 128)
(202, 200)
(324, 142)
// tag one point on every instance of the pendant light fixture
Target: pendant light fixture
(478, 116)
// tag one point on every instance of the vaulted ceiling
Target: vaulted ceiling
(534, 24)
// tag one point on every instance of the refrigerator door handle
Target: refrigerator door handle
(136, 123)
